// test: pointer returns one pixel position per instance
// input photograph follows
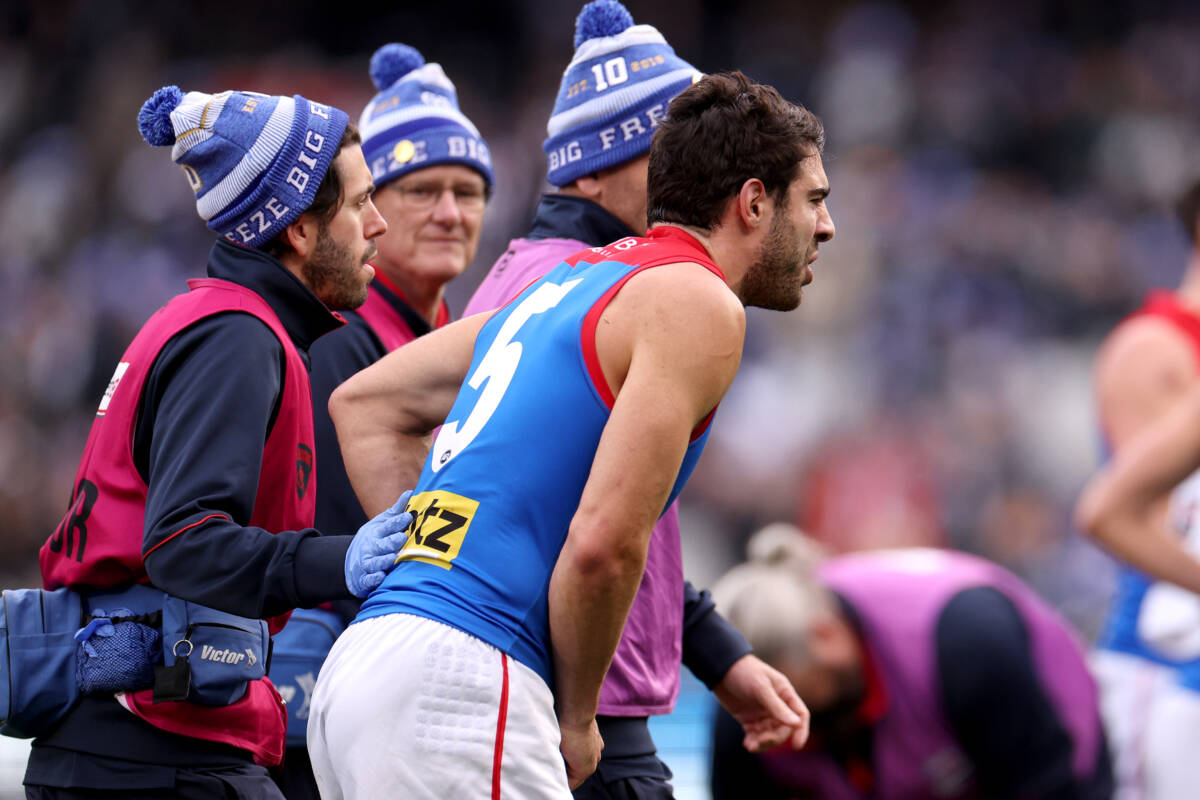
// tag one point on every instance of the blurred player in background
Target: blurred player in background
(929, 674)
(433, 176)
(1148, 658)
(598, 152)
(587, 403)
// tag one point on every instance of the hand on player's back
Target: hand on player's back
(372, 552)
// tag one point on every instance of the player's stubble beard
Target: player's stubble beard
(335, 273)
(774, 279)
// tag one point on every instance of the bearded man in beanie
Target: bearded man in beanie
(433, 175)
(195, 494)
(614, 93)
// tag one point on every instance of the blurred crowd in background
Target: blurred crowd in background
(1003, 174)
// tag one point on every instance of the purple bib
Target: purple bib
(644, 677)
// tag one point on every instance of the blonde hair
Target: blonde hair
(775, 597)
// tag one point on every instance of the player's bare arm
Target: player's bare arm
(1143, 371)
(669, 345)
(1119, 505)
(385, 413)
(1144, 367)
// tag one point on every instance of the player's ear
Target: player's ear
(751, 203)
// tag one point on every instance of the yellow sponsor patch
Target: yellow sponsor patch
(440, 522)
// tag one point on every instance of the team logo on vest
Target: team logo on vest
(304, 468)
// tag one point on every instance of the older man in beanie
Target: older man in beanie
(433, 175)
(613, 95)
(194, 499)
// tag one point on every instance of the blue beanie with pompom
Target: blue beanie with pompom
(613, 93)
(254, 160)
(414, 122)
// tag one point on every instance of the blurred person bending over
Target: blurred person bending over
(433, 175)
(1148, 655)
(598, 154)
(929, 674)
(196, 480)
(586, 401)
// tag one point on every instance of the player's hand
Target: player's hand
(372, 552)
(764, 702)
(581, 746)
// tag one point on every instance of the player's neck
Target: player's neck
(725, 257)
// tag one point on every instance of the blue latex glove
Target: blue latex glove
(372, 552)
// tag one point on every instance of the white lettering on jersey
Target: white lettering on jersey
(497, 367)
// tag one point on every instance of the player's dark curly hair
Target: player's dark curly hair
(326, 201)
(718, 133)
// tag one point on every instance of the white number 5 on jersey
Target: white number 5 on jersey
(497, 367)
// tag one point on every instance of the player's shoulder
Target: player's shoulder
(690, 292)
(1145, 345)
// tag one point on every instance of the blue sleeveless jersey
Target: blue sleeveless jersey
(506, 471)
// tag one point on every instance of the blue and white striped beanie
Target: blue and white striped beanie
(254, 160)
(414, 122)
(613, 93)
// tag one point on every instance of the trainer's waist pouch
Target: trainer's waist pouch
(37, 659)
(223, 652)
(55, 646)
(140, 637)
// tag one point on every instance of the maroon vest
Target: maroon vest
(384, 321)
(99, 542)
(898, 596)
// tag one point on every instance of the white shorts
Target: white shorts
(1152, 724)
(408, 707)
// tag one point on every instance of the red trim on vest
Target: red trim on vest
(587, 338)
(385, 321)
(443, 312)
(181, 530)
(699, 430)
(655, 241)
(523, 288)
(669, 233)
(501, 720)
(379, 276)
